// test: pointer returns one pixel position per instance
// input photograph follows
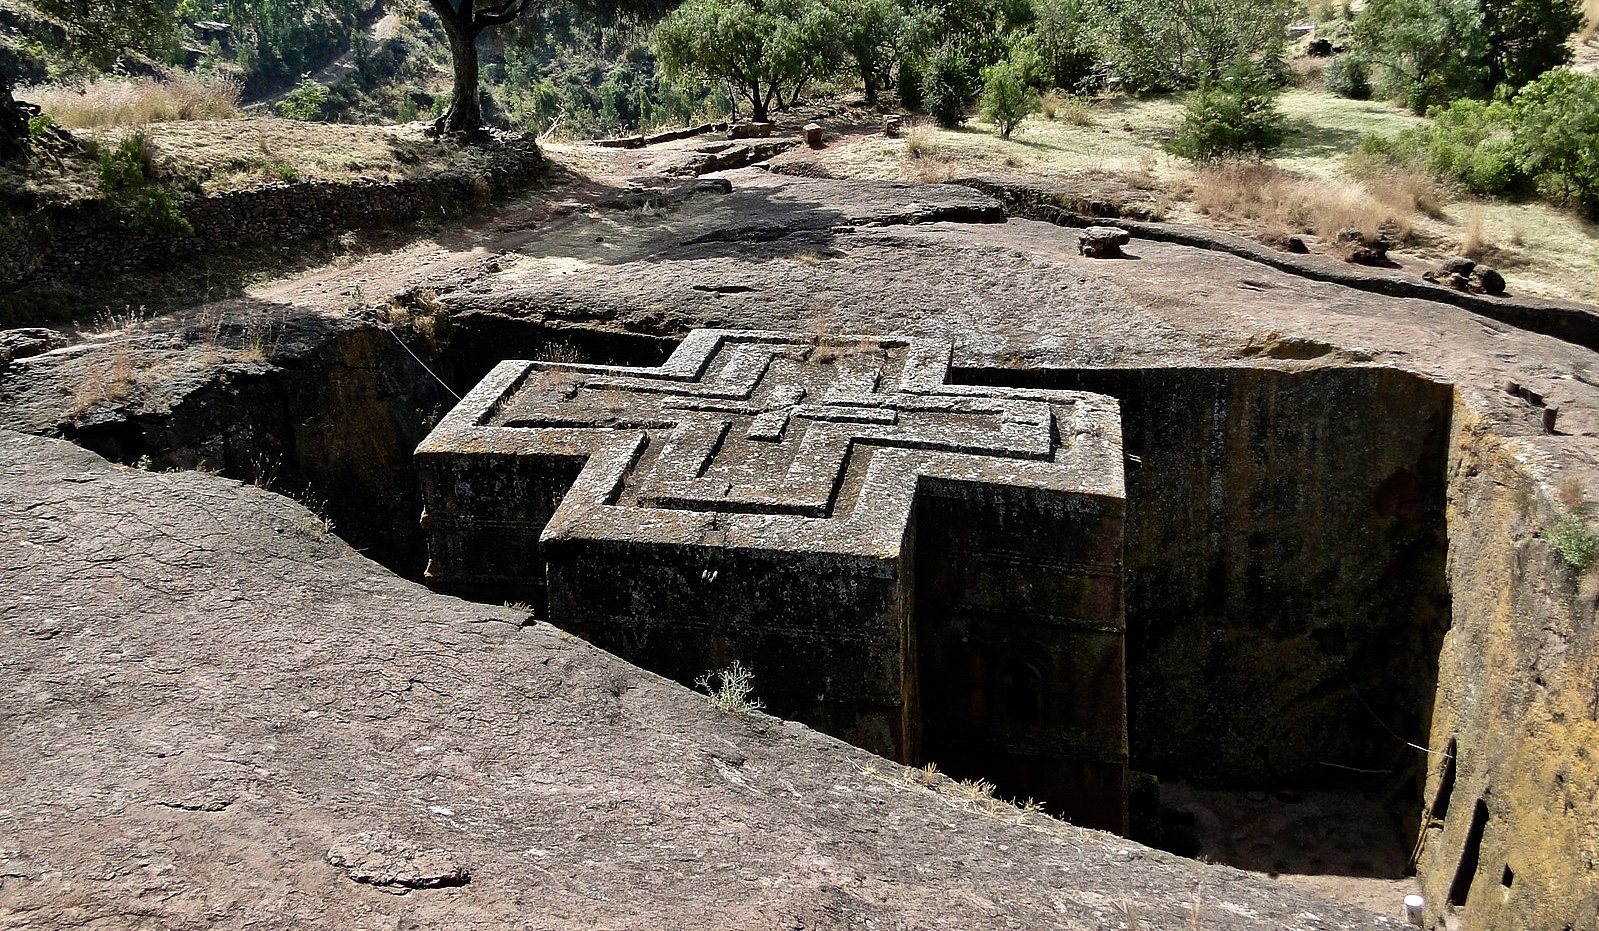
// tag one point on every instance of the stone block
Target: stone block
(930, 571)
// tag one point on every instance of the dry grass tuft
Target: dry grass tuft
(1281, 204)
(1474, 243)
(134, 102)
(1078, 111)
(919, 140)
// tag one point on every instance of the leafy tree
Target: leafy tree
(872, 31)
(1067, 55)
(1436, 51)
(1006, 101)
(1557, 134)
(766, 50)
(1169, 44)
(464, 21)
(949, 82)
(102, 30)
(1527, 37)
(1429, 51)
(1235, 114)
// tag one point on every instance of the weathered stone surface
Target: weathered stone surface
(1279, 345)
(382, 859)
(193, 635)
(883, 548)
(24, 342)
(1102, 242)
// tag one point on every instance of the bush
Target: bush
(1235, 115)
(908, 84)
(948, 86)
(1572, 539)
(1348, 76)
(1474, 144)
(124, 175)
(308, 101)
(1005, 101)
(1556, 129)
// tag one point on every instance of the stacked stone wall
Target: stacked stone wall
(93, 239)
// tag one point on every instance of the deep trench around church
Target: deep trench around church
(1285, 555)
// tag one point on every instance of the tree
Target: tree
(766, 50)
(1436, 51)
(1527, 38)
(1429, 51)
(463, 22)
(103, 30)
(1556, 129)
(1235, 114)
(1065, 43)
(1169, 44)
(871, 34)
(1005, 100)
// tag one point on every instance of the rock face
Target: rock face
(1362, 527)
(919, 568)
(248, 751)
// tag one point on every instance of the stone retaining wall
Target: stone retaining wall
(93, 240)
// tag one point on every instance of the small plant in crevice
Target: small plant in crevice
(1571, 537)
(729, 689)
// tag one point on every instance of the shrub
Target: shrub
(1474, 143)
(308, 101)
(1556, 129)
(124, 175)
(728, 690)
(1005, 101)
(948, 86)
(1571, 538)
(1348, 76)
(1235, 115)
(908, 84)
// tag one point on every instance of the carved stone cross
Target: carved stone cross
(931, 571)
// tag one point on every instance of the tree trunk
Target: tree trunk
(758, 103)
(13, 124)
(466, 112)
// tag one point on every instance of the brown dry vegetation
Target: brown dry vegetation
(1280, 204)
(106, 102)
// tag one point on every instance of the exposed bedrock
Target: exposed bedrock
(1337, 514)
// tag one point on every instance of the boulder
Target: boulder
(1458, 265)
(1362, 250)
(1490, 281)
(1102, 242)
(748, 130)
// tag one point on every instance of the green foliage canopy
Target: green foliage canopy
(1235, 114)
(1005, 100)
(766, 50)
